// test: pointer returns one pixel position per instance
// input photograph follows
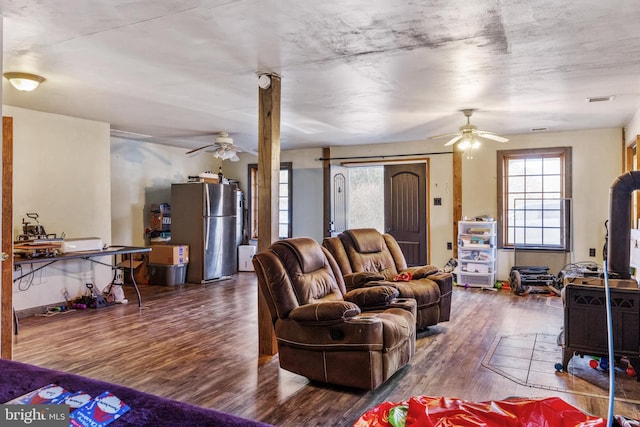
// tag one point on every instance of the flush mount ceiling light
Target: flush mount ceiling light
(24, 81)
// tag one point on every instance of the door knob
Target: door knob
(5, 256)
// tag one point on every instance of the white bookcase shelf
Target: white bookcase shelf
(477, 260)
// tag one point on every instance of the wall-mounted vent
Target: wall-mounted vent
(539, 129)
(600, 98)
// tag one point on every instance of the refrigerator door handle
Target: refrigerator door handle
(208, 200)
(206, 240)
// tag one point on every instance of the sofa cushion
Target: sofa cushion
(421, 271)
(357, 280)
(373, 296)
(426, 292)
(324, 311)
(309, 254)
(367, 240)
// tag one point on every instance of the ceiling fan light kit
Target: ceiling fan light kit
(467, 136)
(224, 148)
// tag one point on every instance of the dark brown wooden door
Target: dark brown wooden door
(405, 217)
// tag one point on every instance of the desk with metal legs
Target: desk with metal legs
(92, 256)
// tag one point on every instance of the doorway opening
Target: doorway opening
(392, 198)
(366, 207)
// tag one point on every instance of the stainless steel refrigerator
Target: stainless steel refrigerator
(203, 216)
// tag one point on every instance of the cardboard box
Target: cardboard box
(169, 254)
(140, 274)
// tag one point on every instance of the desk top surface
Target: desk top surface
(108, 251)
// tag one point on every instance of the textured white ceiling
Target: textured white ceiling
(353, 71)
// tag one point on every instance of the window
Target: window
(534, 192)
(284, 202)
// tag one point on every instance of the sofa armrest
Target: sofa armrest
(324, 311)
(421, 271)
(372, 297)
(408, 304)
(444, 281)
(356, 280)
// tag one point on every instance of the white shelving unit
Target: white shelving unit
(477, 256)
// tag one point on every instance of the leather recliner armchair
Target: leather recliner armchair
(368, 258)
(356, 339)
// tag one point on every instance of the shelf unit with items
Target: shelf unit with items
(477, 256)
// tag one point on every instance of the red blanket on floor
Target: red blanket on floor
(426, 411)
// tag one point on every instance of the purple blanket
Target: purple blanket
(18, 378)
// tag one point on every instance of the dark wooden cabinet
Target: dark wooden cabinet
(585, 320)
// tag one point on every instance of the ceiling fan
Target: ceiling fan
(224, 148)
(468, 132)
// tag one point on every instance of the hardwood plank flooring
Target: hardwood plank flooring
(199, 344)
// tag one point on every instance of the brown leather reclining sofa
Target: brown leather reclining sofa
(368, 258)
(358, 338)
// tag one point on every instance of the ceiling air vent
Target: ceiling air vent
(600, 98)
(539, 129)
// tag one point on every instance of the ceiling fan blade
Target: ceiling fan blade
(491, 135)
(201, 148)
(453, 140)
(443, 135)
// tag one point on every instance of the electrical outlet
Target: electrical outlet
(449, 246)
(592, 251)
(437, 201)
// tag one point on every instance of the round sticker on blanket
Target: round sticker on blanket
(47, 394)
(106, 407)
(76, 401)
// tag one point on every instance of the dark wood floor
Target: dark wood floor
(198, 344)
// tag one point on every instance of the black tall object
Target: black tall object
(619, 228)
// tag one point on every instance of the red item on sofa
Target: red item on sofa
(403, 277)
(426, 411)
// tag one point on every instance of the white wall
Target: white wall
(596, 164)
(440, 175)
(61, 172)
(597, 161)
(307, 187)
(141, 175)
(105, 187)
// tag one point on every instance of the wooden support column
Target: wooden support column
(326, 192)
(6, 278)
(268, 193)
(457, 197)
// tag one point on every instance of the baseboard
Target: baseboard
(32, 311)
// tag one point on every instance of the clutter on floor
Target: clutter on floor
(450, 411)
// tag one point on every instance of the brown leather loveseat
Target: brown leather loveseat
(366, 257)
(357, 338)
